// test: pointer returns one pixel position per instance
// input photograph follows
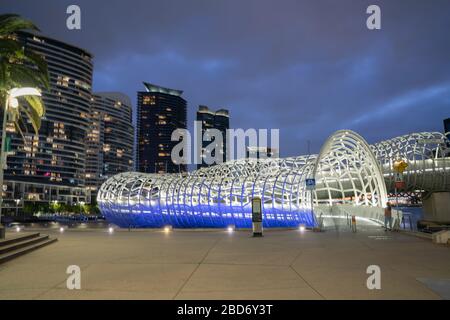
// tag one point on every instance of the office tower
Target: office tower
(219, 120)
(51, 166)
(110, 139)
(447, 134)
(447, 127)
(261, 152)
(160, 111)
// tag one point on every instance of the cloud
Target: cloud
(400, 105)
(306, 67)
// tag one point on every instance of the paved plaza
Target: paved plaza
(217, 264)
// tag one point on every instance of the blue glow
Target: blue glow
(205, 216)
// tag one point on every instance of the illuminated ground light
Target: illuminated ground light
(18, 229)
(61, 229)
(167, 229)
(230, 229)
(110, 230)
(302, 228)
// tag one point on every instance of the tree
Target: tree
(55, 207)
(29, 208)
(91, 209)
(20, 67)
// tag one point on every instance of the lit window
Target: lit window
(149, 100)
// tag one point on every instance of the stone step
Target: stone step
(43, 241)
(20, 244)
(18, 238)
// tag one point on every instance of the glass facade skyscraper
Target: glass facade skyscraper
(219, 120)
(51, 166)
(160, 111)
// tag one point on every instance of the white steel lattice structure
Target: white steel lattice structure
(427, 156)
(349, 173)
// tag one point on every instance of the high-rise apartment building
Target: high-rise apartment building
(447, 127)
(110, 139)
(219, 120)
(447, 134)
(160, 111)
(51, 166)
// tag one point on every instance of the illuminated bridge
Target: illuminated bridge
(352, 177)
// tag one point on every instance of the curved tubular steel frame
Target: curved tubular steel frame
(427, 155)
(347, 171)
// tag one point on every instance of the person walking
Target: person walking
(388, 216)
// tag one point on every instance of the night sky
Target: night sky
(308, 68)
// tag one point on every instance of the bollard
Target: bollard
(320, 221)
(353, 223)
(257, 217)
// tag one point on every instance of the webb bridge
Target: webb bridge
(351, 176)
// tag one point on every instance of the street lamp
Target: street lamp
(17, 207)
(10, 103)
(81, 203)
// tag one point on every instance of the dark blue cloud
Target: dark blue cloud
(306, 67)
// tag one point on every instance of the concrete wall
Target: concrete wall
(436, 207)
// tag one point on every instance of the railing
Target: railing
(408, 222)
(373, 214)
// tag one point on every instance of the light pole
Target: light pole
(11, 102)
(81, 203)
(17, 207)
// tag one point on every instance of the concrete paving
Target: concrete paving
(284, 264)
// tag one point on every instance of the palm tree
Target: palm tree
(19, 67)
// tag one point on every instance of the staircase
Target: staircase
(17, 245)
